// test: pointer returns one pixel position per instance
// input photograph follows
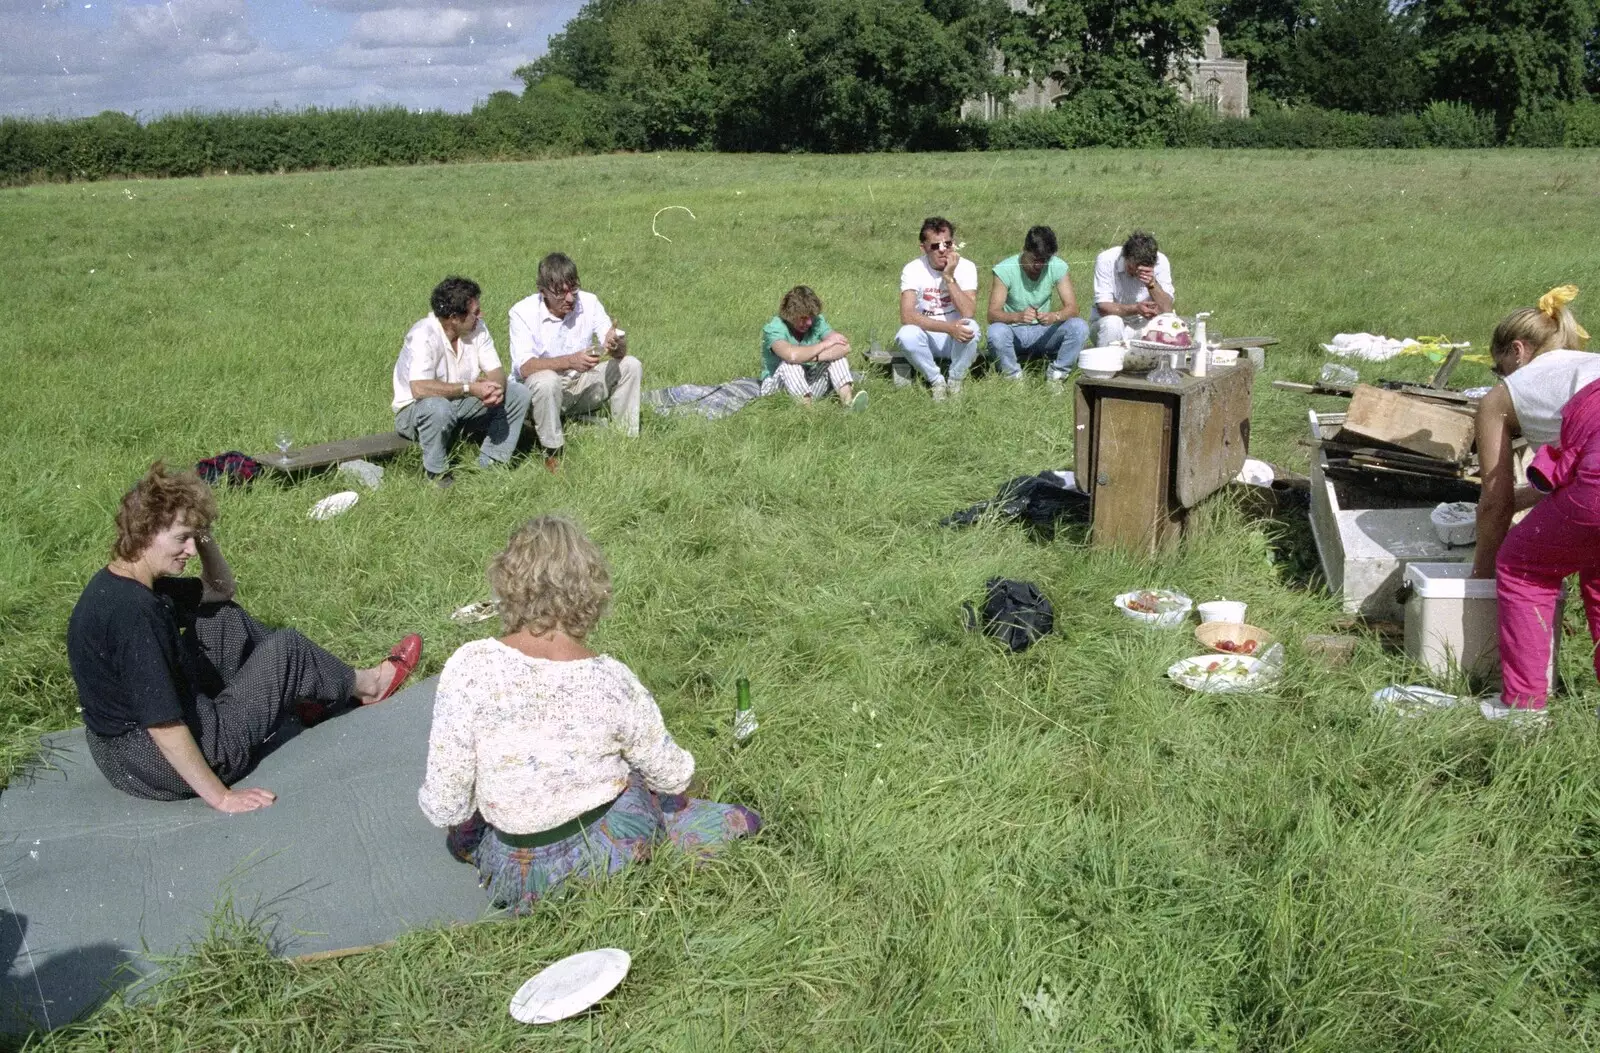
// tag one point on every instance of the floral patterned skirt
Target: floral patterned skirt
(636, 822)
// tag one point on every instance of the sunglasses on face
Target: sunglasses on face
(940, 246)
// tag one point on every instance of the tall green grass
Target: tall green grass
(967, 849)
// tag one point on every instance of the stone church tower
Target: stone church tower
(1205, 79)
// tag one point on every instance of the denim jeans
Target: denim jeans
(922, 348)
(1060, 343)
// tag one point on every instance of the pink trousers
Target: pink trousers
(1560, 536)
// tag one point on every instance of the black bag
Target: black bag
(1015, 613)
(1040, 501)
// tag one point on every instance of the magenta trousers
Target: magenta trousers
(1558, 537)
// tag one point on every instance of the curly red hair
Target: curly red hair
(159, 500)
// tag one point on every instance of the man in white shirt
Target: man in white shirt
(1132, 285)
(448, 377)
(570, 356)
(938, 305)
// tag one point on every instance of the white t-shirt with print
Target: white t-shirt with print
(933, 293)
(1113, 283)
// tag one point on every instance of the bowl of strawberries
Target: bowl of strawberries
(1234, 638)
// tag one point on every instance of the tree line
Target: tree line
(865, 75)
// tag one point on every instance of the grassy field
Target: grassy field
(967, 850)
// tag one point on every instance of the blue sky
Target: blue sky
(75, 57)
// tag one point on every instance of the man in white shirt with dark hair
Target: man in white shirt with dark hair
(1132, 284)
(938, 309)
(571, 358)
(448, 377)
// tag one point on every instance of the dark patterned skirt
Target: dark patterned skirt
(629, 830)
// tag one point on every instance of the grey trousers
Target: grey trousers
(433, 423)
(264, 670)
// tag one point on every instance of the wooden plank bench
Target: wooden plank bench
(323, 455)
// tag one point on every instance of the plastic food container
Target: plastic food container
(1456, 522)
(1222, 611)
(1172, 608)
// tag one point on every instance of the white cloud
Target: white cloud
(59, 58)
(452, 27)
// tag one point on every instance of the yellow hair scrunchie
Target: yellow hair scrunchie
(1551, 303)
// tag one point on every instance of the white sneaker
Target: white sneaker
(953, 387)
(1018, 376)
(1057, 379)
(938, 389)
(1495, 708)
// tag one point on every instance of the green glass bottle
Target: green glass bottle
(744, 717)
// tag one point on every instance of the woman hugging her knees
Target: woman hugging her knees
(545, 759)
(179, 685)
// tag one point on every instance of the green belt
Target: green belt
(556, 833)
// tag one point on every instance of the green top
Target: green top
(778, 329)
(1021, 293)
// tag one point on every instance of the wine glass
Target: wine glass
(284, 440)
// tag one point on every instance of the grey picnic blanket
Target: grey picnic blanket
(95, 886)
(712, 401)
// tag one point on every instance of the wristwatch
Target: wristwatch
(466, 388)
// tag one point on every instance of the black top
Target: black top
(133, 652)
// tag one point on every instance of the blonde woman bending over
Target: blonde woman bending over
(1535, 350)
(545, 759)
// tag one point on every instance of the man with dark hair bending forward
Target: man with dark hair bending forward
(1132, 284)
(573, 360)
(1021, 323)
(449, 377)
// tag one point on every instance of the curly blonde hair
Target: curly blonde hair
(1543, 328)
(156, 502)
(551, 576)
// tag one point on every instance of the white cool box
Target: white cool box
(1453, 620)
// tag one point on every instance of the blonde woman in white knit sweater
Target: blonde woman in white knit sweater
(545, 759)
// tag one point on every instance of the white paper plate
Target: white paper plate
(476, 612)
(334, 504)
(570, 986)
(1411, 700)
(1212, 674)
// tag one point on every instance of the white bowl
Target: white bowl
(1224, 356)
(1222, 611)
(1456, 522)
(1179, 604)
(1101, 362)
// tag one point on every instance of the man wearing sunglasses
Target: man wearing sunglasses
(938, 301)
(571, 358)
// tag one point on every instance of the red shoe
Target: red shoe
(405, 656)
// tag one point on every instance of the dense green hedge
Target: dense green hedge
(554, 118)
(551, 119)
(1086, 121)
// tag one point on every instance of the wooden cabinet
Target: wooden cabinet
(1147, 453)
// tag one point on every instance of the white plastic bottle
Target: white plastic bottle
(1202, 354)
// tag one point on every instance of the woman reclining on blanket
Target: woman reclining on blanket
(545, 759)
(179, 685)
